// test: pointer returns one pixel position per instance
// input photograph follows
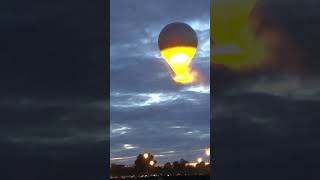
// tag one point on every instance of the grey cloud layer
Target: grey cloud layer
(266, 120)
(145, 102)
(53, 83)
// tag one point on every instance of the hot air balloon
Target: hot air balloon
(178, 44)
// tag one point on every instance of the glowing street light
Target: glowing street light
(151, 163)
(207, 151)
(199, 160)
(145, 155)
(208, 154)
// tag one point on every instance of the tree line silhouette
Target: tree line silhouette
(147, 166)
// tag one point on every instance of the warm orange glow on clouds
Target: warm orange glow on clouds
(235, 43)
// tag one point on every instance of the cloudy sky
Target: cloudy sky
(54, 81)
(266, 117)
(53, 90)
(149, 112)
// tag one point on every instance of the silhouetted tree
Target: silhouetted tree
(183, 162)
(202, 168)
(176, 166)
(179, 166)
(167, 165)
(142, 165)
(167, 169)
(183, 166)
(201, 165)
(117, 170)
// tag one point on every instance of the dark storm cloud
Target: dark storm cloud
(53, 83)
(44, 52)
(266, 119)
(149, 112)
(60, 117)
(260, 133)
(147, 14)
(289, 29)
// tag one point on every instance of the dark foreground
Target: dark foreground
(194, 177)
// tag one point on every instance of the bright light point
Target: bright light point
(146, 155)
(199, 160)
(207, 151)
(179, 59)
(151, 163)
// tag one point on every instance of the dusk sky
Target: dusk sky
(266, 116)
(54, 91)
(53, 103)
(149, 111)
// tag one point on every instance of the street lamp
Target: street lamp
(207, 151)
(199, 160)
(151, 163)
(145, 155)
(208, 154)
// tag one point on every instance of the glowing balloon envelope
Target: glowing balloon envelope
(236, 45)
(178, 44)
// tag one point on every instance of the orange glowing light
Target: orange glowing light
(191, 164)
(178, 44)
(179, 59)
(207, 151)
(146, 155)
(236, 44)
(151, 163)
